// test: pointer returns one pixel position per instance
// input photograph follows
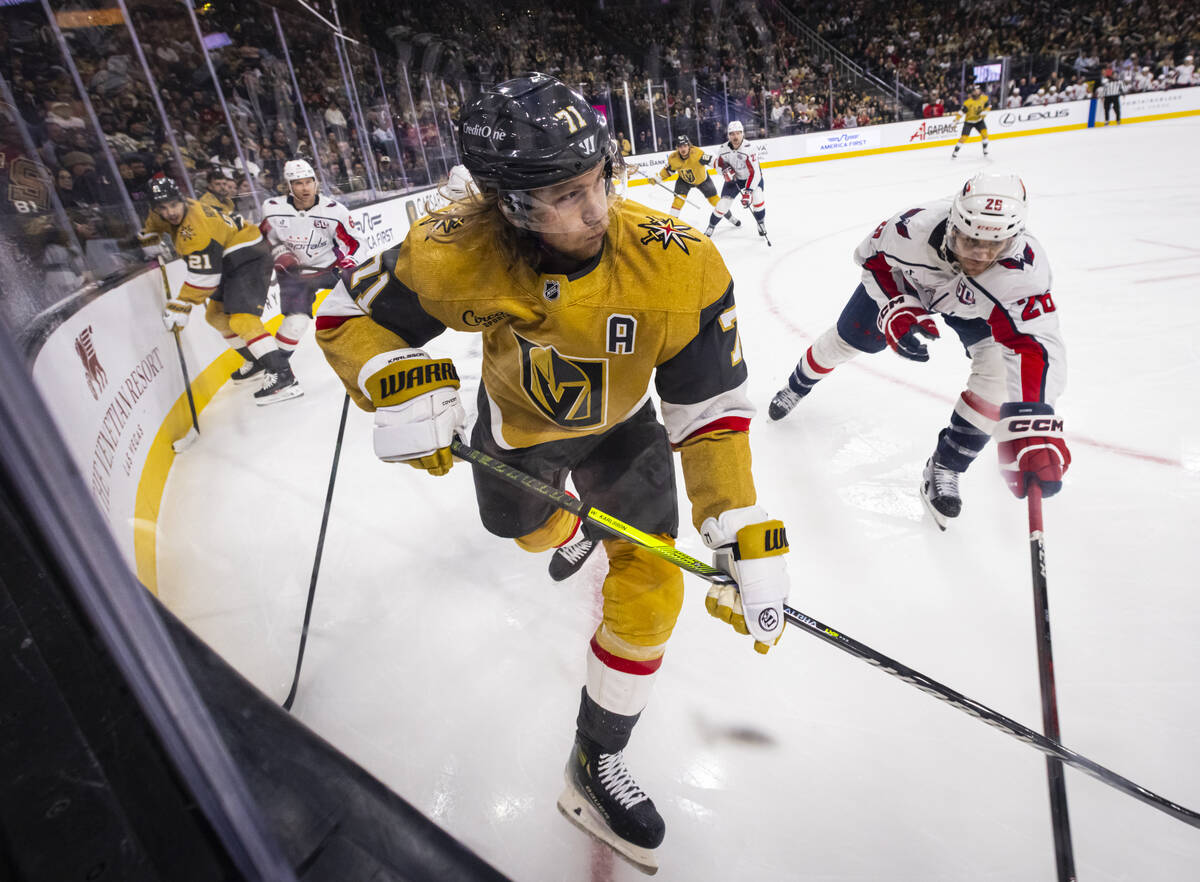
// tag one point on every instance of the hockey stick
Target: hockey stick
(312, 584)
(194, 432)
(842, 641)
(1059, 820)
(656, 181)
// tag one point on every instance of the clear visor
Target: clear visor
(976, 250)
(576, 205)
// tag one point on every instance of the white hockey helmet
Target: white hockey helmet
(735, 126)
(297, 170)
(991, 206)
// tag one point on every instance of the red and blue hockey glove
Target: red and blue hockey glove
(1030, 443)
(900, 320)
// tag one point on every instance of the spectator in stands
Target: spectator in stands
(626, 147)
(933, 107)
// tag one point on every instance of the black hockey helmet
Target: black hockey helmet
(683, 141)
(531, 132)
(164, 189)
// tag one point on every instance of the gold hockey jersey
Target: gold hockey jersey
(975, 109)
(692, 170)
(570, 355)
(210, 241)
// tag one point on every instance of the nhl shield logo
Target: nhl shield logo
(570, 391)
(550, 289)
(96, 376)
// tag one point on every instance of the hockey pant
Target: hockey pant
(628, 472)
(977, 409)
(706, 187)
(297, 294)
(235, 309)
(732, 190)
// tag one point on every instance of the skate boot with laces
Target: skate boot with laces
(789, 396)
(568, 559)
(603, 798)
(939, 492)
(279, 383)
(250, 371)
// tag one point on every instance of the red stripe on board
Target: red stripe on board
(625, 665)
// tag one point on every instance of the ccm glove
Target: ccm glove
(750, 547)
(417, 411)
(746, 197)
(900, 320)
(729, 173)
(175, 314)
(1030, 443)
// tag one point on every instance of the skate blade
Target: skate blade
(186, 441)
(938, 518)
(281, 395)
(580, 813)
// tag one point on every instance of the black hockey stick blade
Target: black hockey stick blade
(842, 641)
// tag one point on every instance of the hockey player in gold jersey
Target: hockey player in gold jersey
(581, 298)
(974, 109)
(229, 266)
(690, 166)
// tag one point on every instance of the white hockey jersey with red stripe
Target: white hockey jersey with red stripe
(906, 255)
(317, 237)
(744, 162)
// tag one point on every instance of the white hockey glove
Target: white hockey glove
(417, 411)
(175, 314)
(750, 547)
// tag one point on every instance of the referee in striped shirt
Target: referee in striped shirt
(1110, 90)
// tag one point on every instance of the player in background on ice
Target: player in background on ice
(690, 164)
(581, 298)
(229, 266)
(974, 111)
(219, 190)
(970, 260)
(313, 242)
(738, 163)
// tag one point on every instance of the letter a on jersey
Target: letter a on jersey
(570, 391)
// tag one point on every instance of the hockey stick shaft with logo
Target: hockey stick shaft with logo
(810, 625)
(1059, 818)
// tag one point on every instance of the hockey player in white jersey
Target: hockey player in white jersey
(970, 260)
(738, 163)
(314, 241)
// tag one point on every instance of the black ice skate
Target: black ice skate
(787, 398)
(249, 371)
(602, 798)
(568, 559)
(733, 220)
(708, 231)
(278, 386)
(939, 492)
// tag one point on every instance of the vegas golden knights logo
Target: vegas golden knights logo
(570, 391)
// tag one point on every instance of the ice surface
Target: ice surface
(449, 665)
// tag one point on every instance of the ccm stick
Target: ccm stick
(842, 641)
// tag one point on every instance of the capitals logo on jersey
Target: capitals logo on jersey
(570, 391)
(667, 230)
